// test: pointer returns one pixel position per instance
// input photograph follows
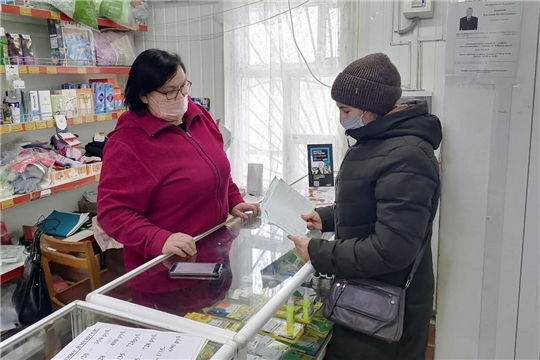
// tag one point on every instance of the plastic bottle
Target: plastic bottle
(290, 316)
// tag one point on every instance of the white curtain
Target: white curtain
(274, 106)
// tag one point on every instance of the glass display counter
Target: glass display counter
(261, 272)
(48, 337)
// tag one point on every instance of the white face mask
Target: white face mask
(168, 110)
(353, 122)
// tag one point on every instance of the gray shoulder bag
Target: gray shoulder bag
(370, 307)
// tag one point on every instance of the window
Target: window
(275, 107)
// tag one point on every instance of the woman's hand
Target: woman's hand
(241, 209)
(301, 243)
(180, 244)
(313, 220)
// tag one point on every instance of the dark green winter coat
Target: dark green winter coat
(387, 193)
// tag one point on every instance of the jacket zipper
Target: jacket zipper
(216, 169)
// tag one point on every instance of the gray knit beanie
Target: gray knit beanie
(371, 83)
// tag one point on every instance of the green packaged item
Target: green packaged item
(309, 344)
(83, 11)
(267, 348)
(4, 60)
(208, 351)
(293, 355)
(118, 11)
(319, 325)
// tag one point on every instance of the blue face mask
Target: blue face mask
(354, 122)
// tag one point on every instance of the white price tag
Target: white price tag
(45, 193)
(18, 84)
(99, 137)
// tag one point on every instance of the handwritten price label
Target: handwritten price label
(81, 70)
(41, 125)
(16, 128)
(50, 123)
(101, 118)
(2, 69)
(51, 70)
(23, 70)
(77, 120)
(25, 11)
(89, 119)
(5, 129)
(6, 204)
(55, 15)
(30, 126)
(33, 70)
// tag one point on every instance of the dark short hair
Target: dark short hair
(150, 71)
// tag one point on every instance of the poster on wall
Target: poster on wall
(320, 165)
(485, 36)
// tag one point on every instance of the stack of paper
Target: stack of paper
(282, 206)
(11, 253)
(107, 341)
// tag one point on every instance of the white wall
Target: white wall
(191, 29)
(487, 132)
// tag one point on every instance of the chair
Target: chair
(74, 255)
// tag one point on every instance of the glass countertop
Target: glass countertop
(60, 328)
(258, 260)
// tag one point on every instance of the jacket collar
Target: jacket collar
(153, 125)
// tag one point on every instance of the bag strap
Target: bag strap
(417, 262)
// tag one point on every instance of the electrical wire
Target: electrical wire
(219, 34)
(163, 24)
(298, 47)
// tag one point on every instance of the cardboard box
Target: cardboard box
(63, 176)
(94, 169)
(85, 102)
(69, 100)
(45, 104)
(70, 42)
(34, 106)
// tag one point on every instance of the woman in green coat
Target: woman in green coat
(387, 193)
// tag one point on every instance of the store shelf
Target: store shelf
(46, 14)
(49, 124)
(50, 191)
(69, 70)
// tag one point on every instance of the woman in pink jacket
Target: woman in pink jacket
(165, 175)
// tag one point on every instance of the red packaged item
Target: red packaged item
(5, 237)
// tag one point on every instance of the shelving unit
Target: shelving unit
(17, 200)
(46, 14)
(33, 22)
(69, 70)
(49, 124)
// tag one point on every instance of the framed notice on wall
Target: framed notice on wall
(320, 165)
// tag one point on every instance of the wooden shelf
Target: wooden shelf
(49, 124)
(46, 14)
(50, 191)
(68, 70)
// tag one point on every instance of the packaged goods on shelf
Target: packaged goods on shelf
(114, 48)
(79, 10)
(72, 44)
(214, 321)
(15, 51)
(28, 50)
